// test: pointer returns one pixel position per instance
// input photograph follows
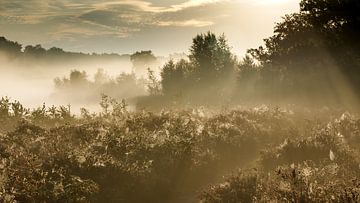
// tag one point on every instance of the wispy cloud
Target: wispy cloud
(72, 32)
(106, 24)
(134, 15)
(149, 7)
(74, 19)
(136, 5)
(186, 23)
(190, 4)
(108, 12)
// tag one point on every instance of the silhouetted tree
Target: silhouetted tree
(14, 49)
(211, 57)
(210, 68)
(143, 60)
(311, 50)
(176, 77)
(339, 23)
(35, 51)
(76, 79)
(54, 51)
(10, 48)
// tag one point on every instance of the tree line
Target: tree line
(14, 50)
(79, 88)
(313, 56)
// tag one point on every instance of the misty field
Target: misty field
(259, 154)
(211, 124)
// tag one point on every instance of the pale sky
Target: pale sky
(126, 26)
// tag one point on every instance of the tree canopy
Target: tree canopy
(9, 47)
(143, 60)
(316, 50)
(211, 64)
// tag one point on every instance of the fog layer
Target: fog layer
(31, 80)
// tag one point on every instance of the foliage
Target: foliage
(328, 28)
(211, 57)
(322, 167)
(211, 67)
(9, 47)
(176, 77)
(122, 156)
(48, 154)
(237, 188)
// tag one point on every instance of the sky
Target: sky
(126, 26)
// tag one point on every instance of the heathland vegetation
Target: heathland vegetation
(279, 125)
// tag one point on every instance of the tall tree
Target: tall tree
(207, 73)
(211, 57)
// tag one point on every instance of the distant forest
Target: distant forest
(15, 50)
